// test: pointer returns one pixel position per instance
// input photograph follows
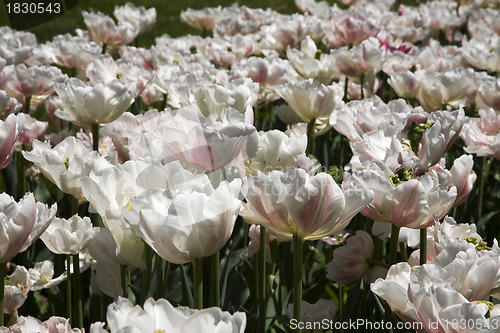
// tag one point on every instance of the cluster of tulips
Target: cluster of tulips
(276, 173)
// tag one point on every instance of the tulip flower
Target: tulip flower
(103, 30)
(109, 190)
(42, 276)
(21, 223)
(33, 129)
(481, 134)
(8, 105)
(482, 53)
(315, 313)
(361, 62)
(142, 19)
(204, 19)
(461, 175)
(353, 27)
(200, 144)
(225, 52)
(90, 104)
(438, 89)
(310, 99)
(269, 72)
(208, 98)
(296, 203)
(277, 151)
(17, 223)
(363, 116)
(17, 291)
(401, 199)
(405, 84)
(32, 324)
(305, 63)
(349, 262)
(65, 164)
(439, 237)
(160, 315)
(283, 32)
(9, 131)
(74, 51)
(187, 224)
(36, 82)
(254, 245)
(15, 46)
(454, 287)
(70, 236)
(488, 94)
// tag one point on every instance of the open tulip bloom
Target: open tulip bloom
(295, 203)
(275, 173)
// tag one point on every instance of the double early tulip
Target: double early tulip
(161, 316)
(21, 223)
(185, 224)
(401, 199)
(89, 103)
(9, 131)
(296, 203)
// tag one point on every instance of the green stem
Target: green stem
(104, 48)
(361, 85)
(346, 88)
(271, 119)
(123, 280)
(2, 284)
(341, 303)
(166, 269)
(75, 205)
(78, 294)
(95, 137)
(21, 173)
(262, 280)
(186, 288)
(423, 246)
(198, 283)
(215, 291)
(4, 181)
(485, 169)
(160, 278)
(164, 102)
(404, 252)
(69, 315)
(146, 273)
(298, 249)
(374, 262)
(27, 105)
(393, 254)
(310, 137)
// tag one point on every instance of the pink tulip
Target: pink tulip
(9, 131)
(349, 261)
(481, 134)
(8, 105)
(37, 81)
(33, 129)
(353, 28)
(103, 30)
(401, 199)
(16, 224)
(296, 203)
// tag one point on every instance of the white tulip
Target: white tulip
(88, 103)
(69, 236)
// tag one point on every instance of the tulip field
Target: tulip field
(308, 166)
